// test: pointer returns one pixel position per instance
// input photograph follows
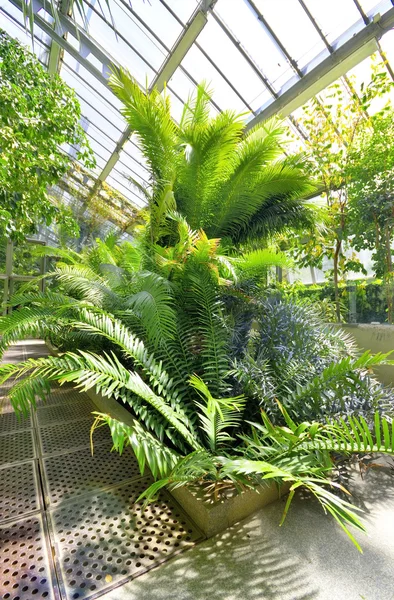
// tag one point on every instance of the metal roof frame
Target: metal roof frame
(347, 51)
(340, 61)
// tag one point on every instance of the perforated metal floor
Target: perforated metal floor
(69, 524)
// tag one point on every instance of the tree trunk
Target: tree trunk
(389, 280)
(336, 278)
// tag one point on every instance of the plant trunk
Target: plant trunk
(389, 275)
(336, 279)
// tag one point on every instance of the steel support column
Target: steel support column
(56, 52)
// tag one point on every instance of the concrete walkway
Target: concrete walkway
(70, 525)
(308, 558)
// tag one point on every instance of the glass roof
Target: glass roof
(250, 51)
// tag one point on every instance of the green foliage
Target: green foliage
(170, 326)
(289, 354)
(38, 114)
(332, 123)
(186, 423)
(230, 183)
(371, 191)
(369, 298)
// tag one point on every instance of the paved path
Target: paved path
(69, 525)
(308, 558)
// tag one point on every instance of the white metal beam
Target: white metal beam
(343, 58)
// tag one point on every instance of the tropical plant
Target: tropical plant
(160, 324)
(231, 183)
(284, 351)
(190, 435)
(38, 113)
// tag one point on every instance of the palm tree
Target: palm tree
(231, 183)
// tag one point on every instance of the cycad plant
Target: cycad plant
(184, 433)
(231, 183)
(163, 326)
(167, 353)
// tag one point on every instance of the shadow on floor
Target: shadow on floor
(243, 562)
(310, 557)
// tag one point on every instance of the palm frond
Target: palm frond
(153, 305)
(27, 322)
(104, 373)
(207, 338)
(149, 451)
(330, 380)
(149, 117)
(259, 261)
(66, 254)
(218, 416)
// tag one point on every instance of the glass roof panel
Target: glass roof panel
(387, 43)
(294, 28)
(108, 117)
(182, 8)
(120, 184)
(232, 64)
(131, 155)
(122, 175)
(202, 70)
(335, 17)
(129, 44)
(371, 7)
(156, 16)
(255, 39)
(12, 23)
(134, 169)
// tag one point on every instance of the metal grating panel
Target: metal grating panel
(10, 422)
(106, 538)
(19, 493)
(63, 395)
(24, 570)
(5, 404)
(66, 436)
(16, 447)
(75, 473)
(65, 412)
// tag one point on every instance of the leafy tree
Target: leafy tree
(371, 193)
(38, 114)
(331, 124)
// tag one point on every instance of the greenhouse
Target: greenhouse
(197, 299)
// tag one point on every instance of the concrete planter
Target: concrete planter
(377, 338)
(211, 517)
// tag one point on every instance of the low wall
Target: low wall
(377, 338)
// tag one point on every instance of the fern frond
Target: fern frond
(28, 322)
(218, 416)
